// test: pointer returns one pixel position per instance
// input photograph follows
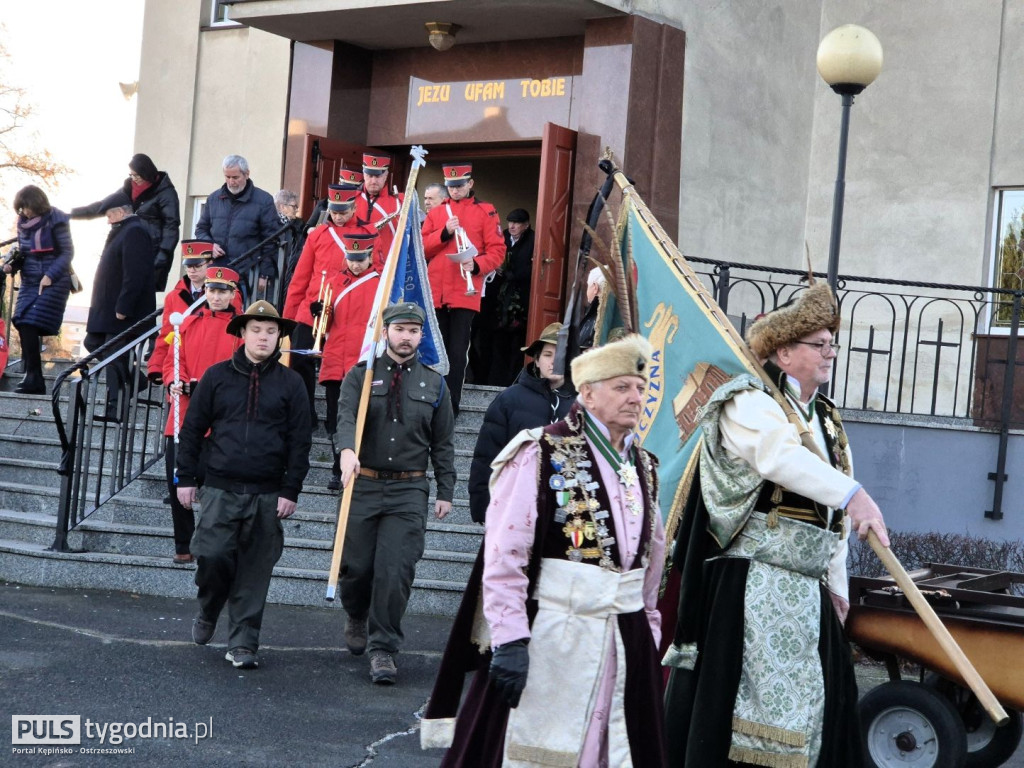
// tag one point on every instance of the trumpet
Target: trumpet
(386, 220)
(466, 252)
(323, 298)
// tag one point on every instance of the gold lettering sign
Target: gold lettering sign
(487, 110)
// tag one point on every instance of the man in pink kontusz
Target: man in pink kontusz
(571, 567)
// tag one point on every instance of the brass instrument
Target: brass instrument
(384, 222)
(320, 322)
(466, 251)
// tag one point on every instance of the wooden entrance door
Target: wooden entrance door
(323, 158)
(551, 244)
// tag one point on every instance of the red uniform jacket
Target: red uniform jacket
(204, 341)
(353, 303)
(374, 211)
(320, 253)
(483, 227)
(178, 299)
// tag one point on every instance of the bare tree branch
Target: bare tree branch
(20, 151)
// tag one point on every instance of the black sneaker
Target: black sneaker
(242, 658)
(334, 484)
(202, 630)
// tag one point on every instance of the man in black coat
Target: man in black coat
(536, 399)
(252, 415)
(122, 289)
(155, 201)
(236, 218)
(511, 299)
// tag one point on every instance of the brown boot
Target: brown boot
(355, 636)
(382, 668)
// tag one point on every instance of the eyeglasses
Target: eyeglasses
(822, 346)
(134, 176)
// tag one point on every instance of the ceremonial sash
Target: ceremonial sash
(352, 286)
(580, 602)
(337, 239)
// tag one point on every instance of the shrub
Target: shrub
(915, 550)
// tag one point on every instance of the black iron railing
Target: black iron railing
(908, 347)
(112, 430)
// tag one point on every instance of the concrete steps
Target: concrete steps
(127, 543)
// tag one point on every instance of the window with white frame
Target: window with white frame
(220, 14)
(198, 203)
(1008, 249)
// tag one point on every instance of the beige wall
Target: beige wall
(167, 76)
(918, 180)
(748, 109)
(241, 106)
(929, 140)
(209, 92)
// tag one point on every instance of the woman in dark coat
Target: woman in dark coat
(155, 202)
(535, 399)
(120, 288)
(44, 240)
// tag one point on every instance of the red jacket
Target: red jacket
(373, 212)
(320, 253)
(178, 299)
(204, 341)
(352, 305)
(483, 227)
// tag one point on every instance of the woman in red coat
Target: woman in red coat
(204, 341)
(352, 291)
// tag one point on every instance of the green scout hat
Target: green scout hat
(548, 336)
(406, 312)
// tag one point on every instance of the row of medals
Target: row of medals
(582, 517)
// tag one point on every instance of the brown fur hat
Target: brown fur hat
(629, 356)
(811, 311)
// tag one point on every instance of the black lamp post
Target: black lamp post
(849, 60)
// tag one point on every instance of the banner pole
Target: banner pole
(388, 279)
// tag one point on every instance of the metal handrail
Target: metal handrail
(921, 348)
(129, 443)
(911, 350)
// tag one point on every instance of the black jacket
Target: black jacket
(519, 270)
(124, 279)
(258, 417)
(238, 223)
(528, 403)
(157, 208)
(292, 240)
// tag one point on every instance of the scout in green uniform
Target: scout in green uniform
(409, 420)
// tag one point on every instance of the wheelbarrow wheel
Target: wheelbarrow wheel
(988, 746)
(908, 724)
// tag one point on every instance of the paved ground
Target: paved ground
(112, 657)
